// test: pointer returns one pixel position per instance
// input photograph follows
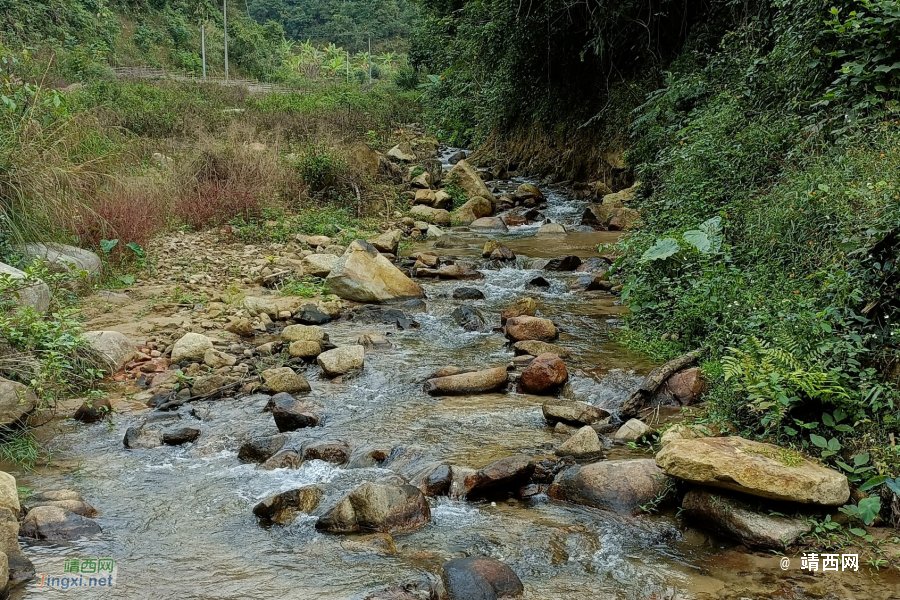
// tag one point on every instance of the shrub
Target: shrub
(131, 210)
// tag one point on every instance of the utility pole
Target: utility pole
(225, 18)
(203, 45)
(370, 58)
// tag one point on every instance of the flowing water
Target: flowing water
(178, 521)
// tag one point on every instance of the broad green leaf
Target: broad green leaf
(893, 485)
(698, 240)
(826, 418)
(834, 445)
(818, 440)
(108, 245)
(874, 482)
(136, 248)
(869, 509)
(858, 532)
(661, 250)
(861, 459)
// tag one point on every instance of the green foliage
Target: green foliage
(331, 220)
(86, 35)
(406, 78)
(455, 191)
(306, 287)
(20, 448)
(45, 352)
(776, 134)
(150, 110)
(867, 33)
(341, 21)
(320, 169)
(866, 510)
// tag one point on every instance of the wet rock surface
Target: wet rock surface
(386, 508)
(621, 485)
(480, 578)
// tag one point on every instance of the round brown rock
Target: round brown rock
(545, 375)
(480, 578)
(530, 328)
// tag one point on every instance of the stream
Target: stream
(178, 521)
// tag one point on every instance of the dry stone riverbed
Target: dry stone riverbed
(179, 522)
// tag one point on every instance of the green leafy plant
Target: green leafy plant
(866, 510)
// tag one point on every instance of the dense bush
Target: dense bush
(771, 199)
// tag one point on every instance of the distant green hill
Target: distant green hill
(343, 22)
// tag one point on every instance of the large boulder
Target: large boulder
(363, 275)
(67, 499)
(92, 411)
(62, 257)
(621, 485)
(530, 328)
(544, 375)
(468, 317)
(291, 414)
(9, 533)
(142, 438)
(753, 468)
(572, 412)
(16, 402)
(503, 475)
(282, 508)
(111, 348)
(477, 382)
(380, 507)
(285, 379)
(585, 443)
(52, 523)
(522, 307)
(388, 242)
(474, 209)
(552, 229)
(563, 263)
(437, 216)
(737, 518)
(26, 291)
(463, 175)
(480, 578)
(490, 225)
(304, 333)
(426, 197)
(685, 386)
(191, 347)
(633, 430)
(342, 360)
(402, 152)
(261, 449)
(9, 493)
(319, 265)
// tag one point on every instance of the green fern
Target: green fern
(775, 379)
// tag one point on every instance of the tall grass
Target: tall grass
(78, 167)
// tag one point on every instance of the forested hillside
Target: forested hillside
(87, 36)
(343, 22)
